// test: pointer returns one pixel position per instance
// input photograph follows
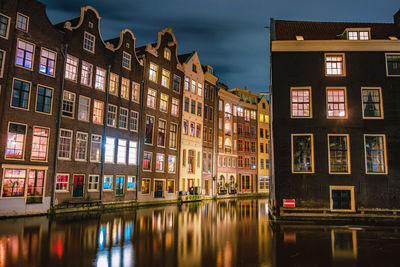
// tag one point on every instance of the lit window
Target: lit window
(371, 103)
(81, 146)
(198, 109)
(301, 103)
(147, 160)
(198, 130)
(133, 121)
(336, 103)
(334, 64)
(353, 35)
(167, 53)
(22, 22)
(132, 154)
(68, 105)
(108, 182)
(187, 81)
(145, 186)
(153, 72)
(302, 153)
(126, 60)
(84, 108)
(131, 184)
(164, 102)
(191, 161)
(375, 154)
(112, 116)
(62, 182)
(339, 154)
(44, 99)
(86, 74)
(119, 185)
(47, 62)
(170, 186)
(95, 148)
(71, 68)
(114, 82)
(262, 115)
(100, 82)
(123, 118)
(175, 107)
(171, 164)
(149, 130)
(39, 143)
(358, 35)
(193, 88)
(24, 56)
(151, 98)
(165, 78)
(65, 144)
(173, 129)
(4, 24)
(125, 88)
(88, 42)
(15, 141)
(93, 184)
(109, 150)
(121, 151)
(199, 89)
(98, 108)
(240, 111)
(162, 125)
(185, 127)
(20, 94)
(253, 115)
(192, 129)
(177, 83)
(393, 64)
(160, 161)
(247, 115)
(135, 92)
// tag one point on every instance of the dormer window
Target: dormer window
(167, 53)
(299, 38)
(358, 34)
(393, 38)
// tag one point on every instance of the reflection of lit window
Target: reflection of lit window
(344, 244)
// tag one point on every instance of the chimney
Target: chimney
(396, 18)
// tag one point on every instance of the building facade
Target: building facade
(335, 120)
(263, 144)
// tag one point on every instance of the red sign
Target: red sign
(289, 203)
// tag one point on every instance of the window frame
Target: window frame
(51, 102)
(348, 156)
(343, 65)
(83, 62)
(102, 111)
(73, 106)
(89, 183)
(91, 145)
(144, 129)
(386, 65)
(86, 145)
(125, 94)
(116, 115)
(94, 42)
(358, 30)
(154, 77)
(340, 187)
(96, 81)
(384, 154)
(24, 145)
(291, 103)
(68, 180)
(88, 109)
(131, 118)
(3, 62)
(129, 61)
(55, 62)
(292, 155)
(8, 26)
(151, 161)
(126, 118)
(33, 54)
(76, 68)
(345, 102)
(27, 22)
(29, 95)
(47, 145)
(70, 146)
(380, 103)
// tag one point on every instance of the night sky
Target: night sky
(230, 35)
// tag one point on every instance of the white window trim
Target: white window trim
(23, 149)
(86, 147)
(89, 106)
(33, 54)
(291, 103)
(70, 148)
(384, 154)
(101, 147)
(386, 65)
(55, 62)
(47, 146)
(144, 129)
(380, 103)
(98, 183)
(27, 22)
(116, 116)
(151, 162)
(94, 42)
(130, 60)
(29, 97)
(134, 182)
(112, 183)
(73, 108)
(8, 26)
(352, 201)
(63, 191)
(137, 121)
(345, 103)
(52, 97)
(127, 118)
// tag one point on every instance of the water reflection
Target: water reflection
(223, 233)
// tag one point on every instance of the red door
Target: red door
(78, 186)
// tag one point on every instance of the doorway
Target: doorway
(78, 185)
(158, 189)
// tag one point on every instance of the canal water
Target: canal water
(216, 233)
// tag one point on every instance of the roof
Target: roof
(142, 49)
(311, 30)
(74, 22)
(185, 57)
(114, 41)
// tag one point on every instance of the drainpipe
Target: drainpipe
(64, 50)
(140, 135)
(103, 140)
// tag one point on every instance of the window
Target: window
(177, 83)
(165, 78)
(247, 146)
(108, 182)
(240, 145)
(164, 102)
(88, 42)
(355, 34)
(211, 92)
(170, 186)
(4, 25)
(193, 87)
(68, 105)
(173, 128)
(121, 151)
(186, 106)
(114, 82)
(192, 106)
(133, 121)
(95, 148)
(192, 129)
(300, 103)
(185, 127)
(160, 161)
(253, 147)
(40, 141)
(210, 135)
(149, 130)
(336, 102)
(109, 150)
(123, 118)
(147, 160)
(342, 198)
(187, 82)
(131, 185)
(240, 111)
(261, 163)
(47, 62)
(145, 186)
(253, 163)
(167, 53)
(135, 92)
(98, 108)
(247, 115)
(125, 88)
(375, 154)
(126, 60)
(191, 161)
(198, 109)
(2, 60)
(44, 99)
(15, 141)
(211, 114)
(153, 72)
(205, 112)
(62, 182)
(151, 98)
(86, 74)
(240, 162)
(20, 94)
(175, 107)
(112, 116)
(261, 148)
(393, 64)
(100, 82)
(24, 55)
(198, 130)
(372, 107)
(81, 146)
(65, 144)
(339, 154)
(71, 68)
(253, 131)
(162, 125)
(199, 89)
(84, 108)
(171, 164)
(253, 115)
(93, 183)
(302, 153)
(132, 154)
(334, 64)
(261, 133)
(194, 69)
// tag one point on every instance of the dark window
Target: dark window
(198, 109)
(3, 25)
(194, 69)
(211, 113)
(393, 64)
(205, 112)
(20, 96)
(177, 83)
(192, 107)
(149, 130)
(186, 104)
(341, 199)
(43, 101)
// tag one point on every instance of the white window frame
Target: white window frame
(55, 61)
(126, 57)
(100, 81)
(27, 22)
(70, 146)
(76, 145)
(8, 26)
(91, 182)
(88, 108)
(94, 42)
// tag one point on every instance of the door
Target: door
(78, 186)
(35, 186)
(119, 185)
(158, 189)
(206, 187)
(190, 184)
(246, 183)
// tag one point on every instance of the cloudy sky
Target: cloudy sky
(228, 34)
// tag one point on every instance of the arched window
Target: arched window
(221, 181)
